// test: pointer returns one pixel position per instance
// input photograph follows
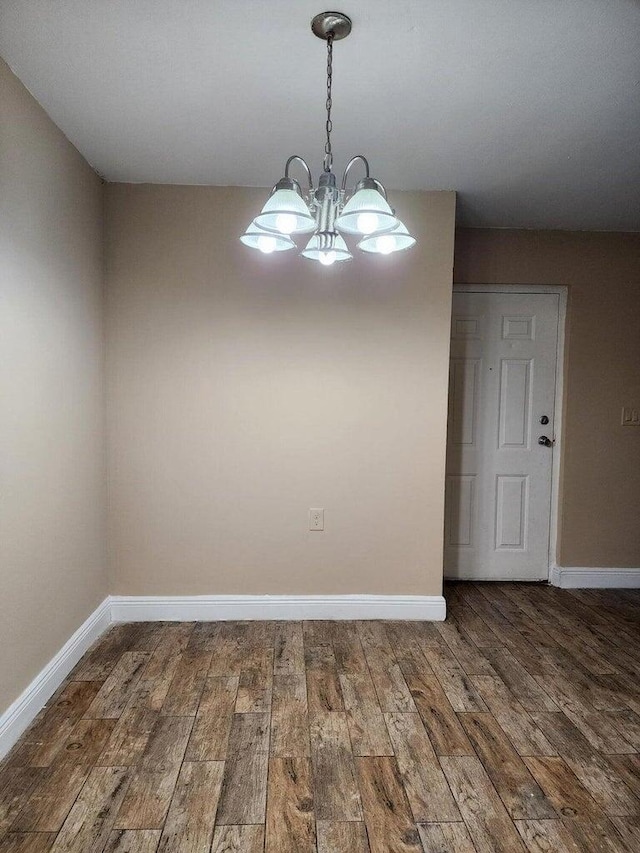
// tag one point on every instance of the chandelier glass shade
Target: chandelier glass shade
(266, 241)
(390, 241)
(328, 211)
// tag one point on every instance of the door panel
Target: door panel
(498, 487)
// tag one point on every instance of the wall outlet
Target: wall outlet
(630, 417)
(316, 519)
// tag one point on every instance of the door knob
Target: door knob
(546, 442)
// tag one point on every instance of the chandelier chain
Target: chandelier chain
(328, 153)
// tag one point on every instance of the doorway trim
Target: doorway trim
(562, 291)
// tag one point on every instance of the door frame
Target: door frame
(562, 291)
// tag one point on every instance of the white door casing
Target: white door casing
(498, 487)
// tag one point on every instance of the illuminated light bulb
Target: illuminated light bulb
(266, 244)
(327, 258)
(386, 244)
(367, 223)
(285, 223)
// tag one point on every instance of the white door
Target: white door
(501, 390)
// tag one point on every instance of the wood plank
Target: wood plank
(176, 637)
(289, 650)
(51, 799)
(348, 651)
(523, 686)
(520, 793)
(290, 825)
(228, 652)
(152, 689)
(468, 655)
(484, 814)
(255, 683)
(86, 742)
(183, 696)
(367, 727)
(127, 841)
(189, 824)
(615, 693)
(342, 837)
(323, 686)
(426, 788)
(546, 836)
(564, 790)
(210, 734)
(336, 791)
(90, 821)
(128, 738)
(100, 660)
(147, 800)
(317, 632)
(628, 768)
(42, 741)
(598, 835)
(407, 639)
(599, 729)
(238, 839)
(425, 634)
(167, 743)
(289, 717)
(478, 616)
(629, 830)
(442, 725)
(244, 787)
(569, 689)
(628, 724)
(387, 814)
(572, 636)
(455, 682)
(16, 785)
(27, 842)
(512, 718)
(392, 690)
(592, 769)
(601, 692)
(147, 636)
(116, 691)
(205, 636)
(445, 838)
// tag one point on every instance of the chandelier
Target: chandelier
(328, 211)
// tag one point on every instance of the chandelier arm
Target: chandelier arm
(381, 188)
(349, 166)
(303, 163)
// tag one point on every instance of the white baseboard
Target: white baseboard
(143, 608)
(594, 578)
(23, 711)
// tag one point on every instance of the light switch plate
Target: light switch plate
(316, 519)
(630, 416)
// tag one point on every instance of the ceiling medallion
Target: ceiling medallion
(328, 211)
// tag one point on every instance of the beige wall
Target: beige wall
(52, 504)
(244, 390)
(599, 524)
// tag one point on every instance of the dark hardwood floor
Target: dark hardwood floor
(514, 726)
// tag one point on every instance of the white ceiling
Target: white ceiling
(529, 108)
